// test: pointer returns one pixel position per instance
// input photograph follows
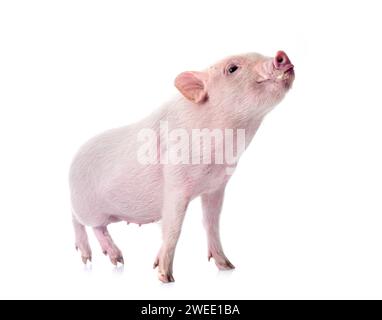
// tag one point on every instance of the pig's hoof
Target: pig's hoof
(115, 256)
(86, 253)
(226, 265)
(221, 262)
(85, 259)
(115, 260)
(165, 278)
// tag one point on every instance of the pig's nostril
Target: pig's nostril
(281, 60)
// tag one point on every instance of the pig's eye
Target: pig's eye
(232, 68)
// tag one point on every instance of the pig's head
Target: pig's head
(245, 84)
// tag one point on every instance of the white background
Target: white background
(302, 216)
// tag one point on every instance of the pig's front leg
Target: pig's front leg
(212, 204)
(173, 212)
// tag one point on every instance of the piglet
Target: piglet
(151, 170)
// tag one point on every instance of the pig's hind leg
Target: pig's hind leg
(82, 242)
(212, 204)
(107, 244)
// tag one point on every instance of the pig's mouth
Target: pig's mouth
(285, 75)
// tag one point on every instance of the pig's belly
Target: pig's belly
(136, 202)
(140, 207)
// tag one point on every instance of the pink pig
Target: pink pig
(109, 183)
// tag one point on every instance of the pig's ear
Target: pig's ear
(192, 85)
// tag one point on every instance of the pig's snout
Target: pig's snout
(282, 62)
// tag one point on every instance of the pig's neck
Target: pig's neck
(251, 128)
(246, 119)
(181, 113)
